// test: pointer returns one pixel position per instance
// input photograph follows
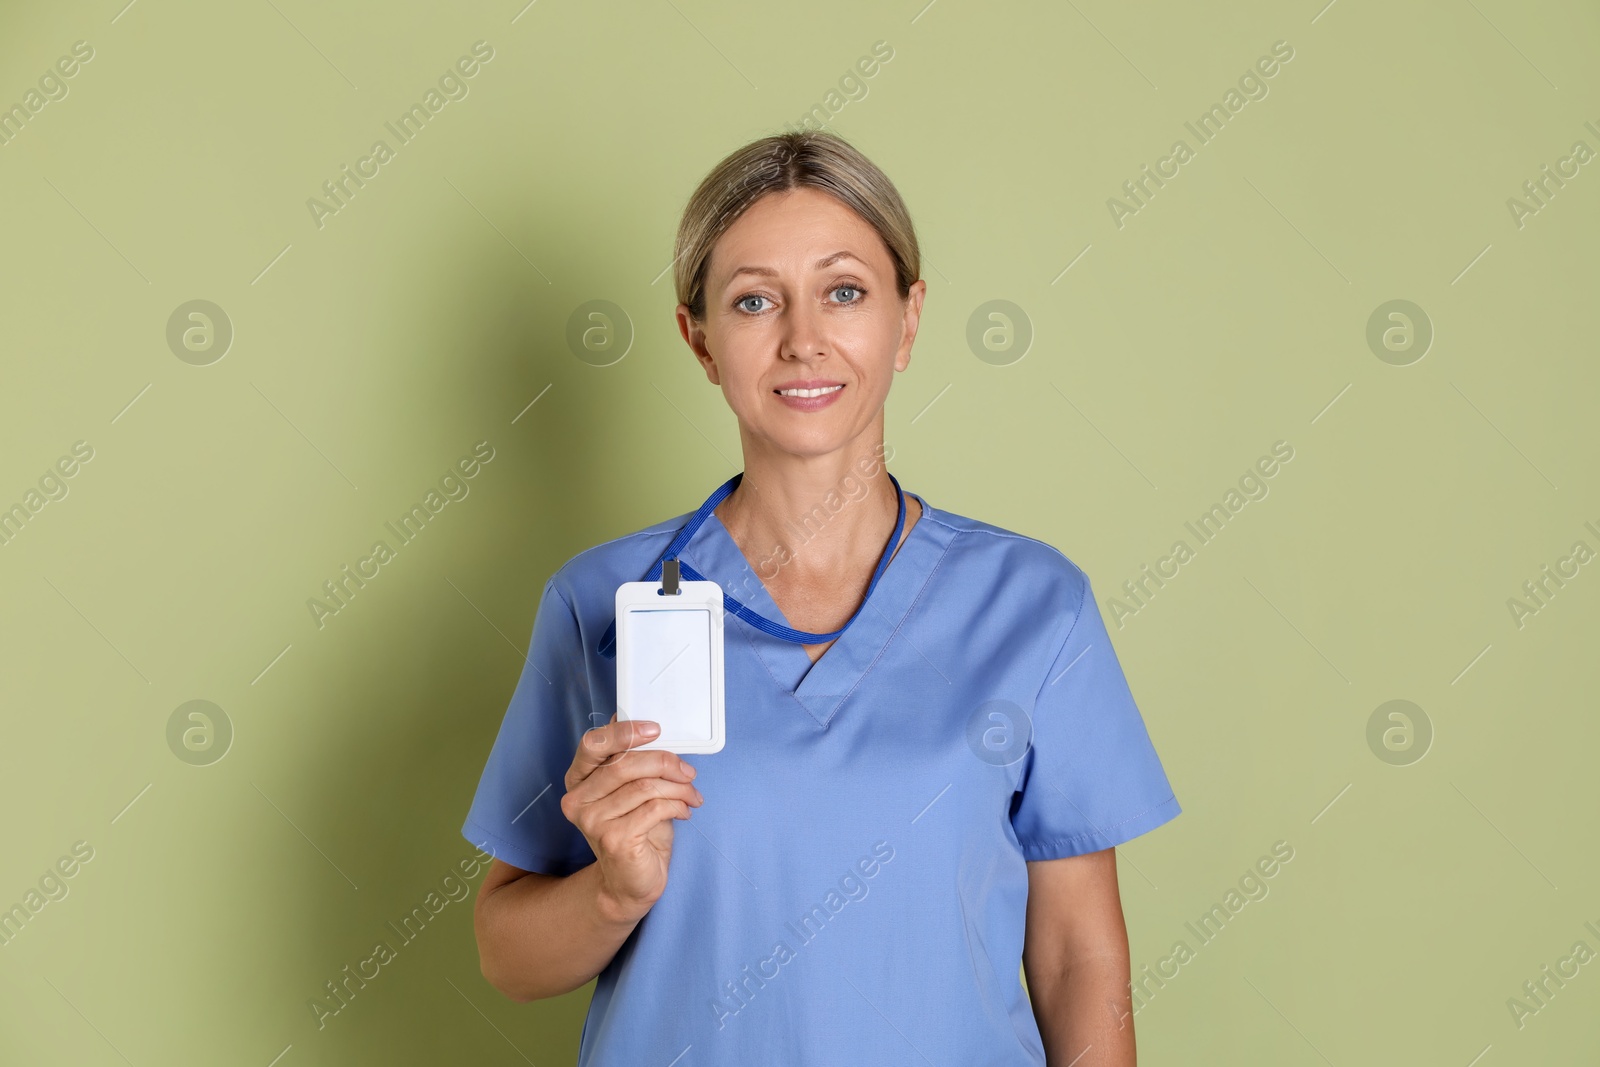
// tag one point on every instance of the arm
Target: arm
(541, 936)
(1075, 957)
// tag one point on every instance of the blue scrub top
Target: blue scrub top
(853, 889)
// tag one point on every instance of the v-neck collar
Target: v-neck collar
(822, 686)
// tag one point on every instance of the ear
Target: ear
(909, 323)
(694, 335)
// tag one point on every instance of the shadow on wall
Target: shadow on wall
(429, 677)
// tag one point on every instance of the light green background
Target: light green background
(1227, 314)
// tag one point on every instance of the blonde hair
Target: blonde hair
(813, 158)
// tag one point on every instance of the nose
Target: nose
(802, 336)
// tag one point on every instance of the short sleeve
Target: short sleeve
(1091, 778)
(516, 813)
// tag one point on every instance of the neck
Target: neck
(824, 513)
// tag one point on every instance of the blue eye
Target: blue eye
(853, 289)
(740, 303)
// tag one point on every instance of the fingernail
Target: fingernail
(686, 768)
(649, 729)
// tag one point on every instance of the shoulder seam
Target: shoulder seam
(577, 629)
(1083, 601)
(1083, 580)
(1010, 534)
(647, 532)
(550, 586)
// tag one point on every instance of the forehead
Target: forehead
(791, 230)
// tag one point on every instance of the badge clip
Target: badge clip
(669, 577)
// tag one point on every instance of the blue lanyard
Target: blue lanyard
(608, 643)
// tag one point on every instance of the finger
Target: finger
(638, 823)
(620, 802)
(628, 767)
(601, 743)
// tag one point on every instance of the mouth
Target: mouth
(815, 395)
(797, 391)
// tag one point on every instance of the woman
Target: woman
(915, 798)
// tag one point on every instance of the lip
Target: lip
(809, 403)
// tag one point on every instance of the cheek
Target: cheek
(739, 371)
(740, 381)
(878, 346)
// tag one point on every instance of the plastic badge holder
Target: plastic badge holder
(669, 662)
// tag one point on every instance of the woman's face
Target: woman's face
(800, 294)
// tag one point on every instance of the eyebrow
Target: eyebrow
(825, 261)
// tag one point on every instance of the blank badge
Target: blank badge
(669, 660)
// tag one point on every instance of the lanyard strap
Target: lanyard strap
(608, 643)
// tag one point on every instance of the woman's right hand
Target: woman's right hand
(624, 803)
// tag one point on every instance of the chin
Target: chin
(815, 443)
(812, 448)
